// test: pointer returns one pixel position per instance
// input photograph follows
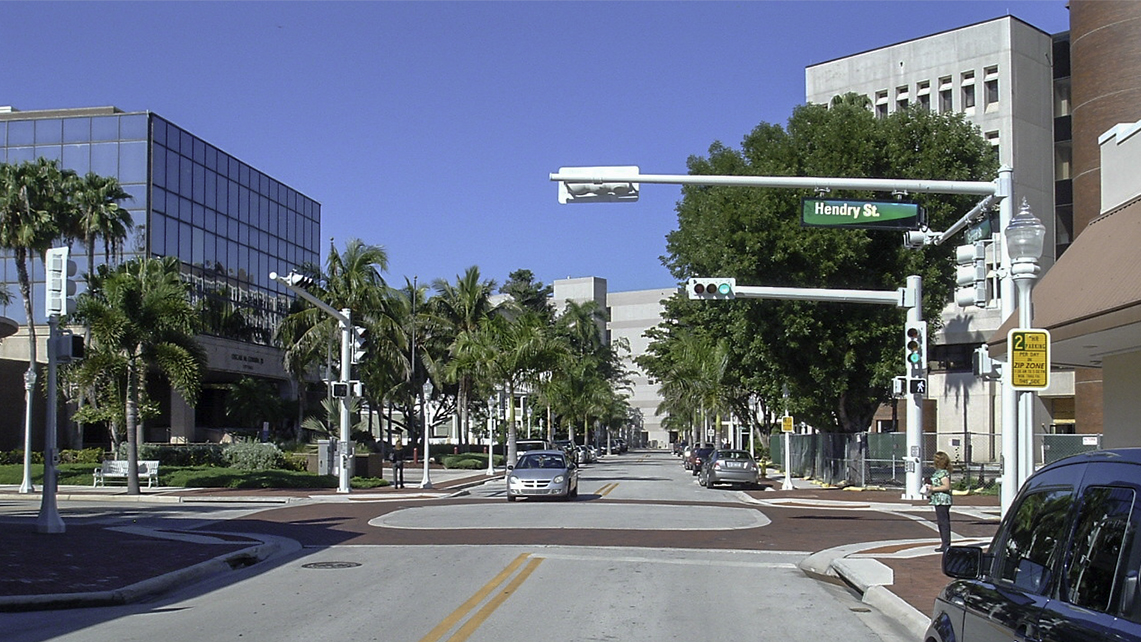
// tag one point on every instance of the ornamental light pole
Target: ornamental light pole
(295, 283)
(1024, 238)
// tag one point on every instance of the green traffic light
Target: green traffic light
(724, 288)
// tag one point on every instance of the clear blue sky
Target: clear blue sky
(430, 128)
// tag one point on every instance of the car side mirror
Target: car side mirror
(510, 467)
(963, 562)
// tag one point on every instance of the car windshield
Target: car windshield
(704, 452)
(541, 461)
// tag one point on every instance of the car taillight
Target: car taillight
(716, 464)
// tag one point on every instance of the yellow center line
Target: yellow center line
(446, 625)
(605, 490)
(481, 616)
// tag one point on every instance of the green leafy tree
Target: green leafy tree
(141, 318)
(837, 359)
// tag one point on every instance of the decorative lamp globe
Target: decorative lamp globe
(1025, 235)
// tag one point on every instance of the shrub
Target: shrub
(17, 457)
(469, 461)
(253, 456)
(85, 456)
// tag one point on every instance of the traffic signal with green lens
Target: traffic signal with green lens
(711, 288)
(915, 348)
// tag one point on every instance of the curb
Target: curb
(867, 577)
(153, 586)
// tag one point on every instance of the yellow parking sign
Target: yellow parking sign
(1029, 359)
(786, 423)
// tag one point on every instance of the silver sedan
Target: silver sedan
(542, 473)
(728, 467)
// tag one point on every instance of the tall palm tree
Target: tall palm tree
(462, 309)
(509, 352)
(35, 211)
(101, 217)
(351, 280)
(141, 314)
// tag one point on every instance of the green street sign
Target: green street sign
(860, 215)
(1029, 359)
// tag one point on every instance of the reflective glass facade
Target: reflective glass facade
(228, 223)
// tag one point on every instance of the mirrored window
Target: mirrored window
(77, 158)
(48, 131)
(76, 130)
(105, 128)
(105, 159)
(133, 162)
(133, 127)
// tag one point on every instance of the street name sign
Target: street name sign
(1029, 359)
(861, 215)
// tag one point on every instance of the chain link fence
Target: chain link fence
(877, 459)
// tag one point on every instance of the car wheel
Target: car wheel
(573, 493)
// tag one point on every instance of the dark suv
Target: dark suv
(1063, 565)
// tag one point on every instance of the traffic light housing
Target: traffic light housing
(970, 275)
(711, 288)
(360, 345)
(68, 347)
(915, 349)
(60, 282)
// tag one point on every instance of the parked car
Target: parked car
(679, 448)
(1064, 564)
(585, 454)
(728, 467)
(542, 473)
(698, 456)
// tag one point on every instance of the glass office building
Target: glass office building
(228, 224)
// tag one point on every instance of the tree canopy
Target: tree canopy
(837, 359)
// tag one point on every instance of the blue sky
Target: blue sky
(430, 128)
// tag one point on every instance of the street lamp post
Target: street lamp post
(1024, 236)
(426, 482)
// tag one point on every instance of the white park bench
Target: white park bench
(117, 469)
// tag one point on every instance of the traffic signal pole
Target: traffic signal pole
(623, 184)
(909, 297)
(344, 319)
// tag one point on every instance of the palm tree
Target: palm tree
(352, 280)
(509, 352)
(100, 215)
(35, 211)
(251, 401)
(140, 313)
(462, 309)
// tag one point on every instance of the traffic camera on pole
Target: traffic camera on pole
(711, 288)
(60, 272)
(970, 275)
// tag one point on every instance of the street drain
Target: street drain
(331, 565)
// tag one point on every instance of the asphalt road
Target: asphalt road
(644, 553)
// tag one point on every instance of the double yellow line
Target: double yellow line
(473, 623)
(605, 490)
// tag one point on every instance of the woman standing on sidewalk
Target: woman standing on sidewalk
(940, 489)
